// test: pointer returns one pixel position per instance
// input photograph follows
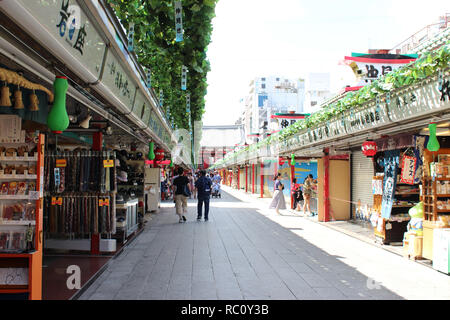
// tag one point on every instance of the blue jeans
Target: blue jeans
(202, 200)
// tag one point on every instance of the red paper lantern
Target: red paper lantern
(281, 161)
(369, 148)
(159, 154)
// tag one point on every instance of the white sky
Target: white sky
(290, 38)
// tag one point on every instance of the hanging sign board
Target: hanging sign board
(139, 104)
(408, 170)
(421, 101)
(118, 81)
(146, 115)
(178, 21)
(72, 31)
(373, 68)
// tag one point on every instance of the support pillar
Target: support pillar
(97, 145)
(262, 180)
(246, 178)
(253, 178)
(326, 185)
(292, 178)
(239, 178)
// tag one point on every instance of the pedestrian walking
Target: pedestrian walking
(181, 193)
(297, 194)
(278, 201)
(203, 186)
(191, 184)
(308, 190)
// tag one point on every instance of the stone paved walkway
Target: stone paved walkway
(245, 251)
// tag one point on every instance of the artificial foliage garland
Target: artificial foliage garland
(156, 48)
(429, 64)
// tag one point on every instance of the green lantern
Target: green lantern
(433, 143)
(57, 119)
(151, 152)
(292, 159)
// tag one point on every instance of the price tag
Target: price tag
(388, 226)
(59, 201)
(61, 163)
(53, 201)
(106, 202)
(100, 202)
(108, 163)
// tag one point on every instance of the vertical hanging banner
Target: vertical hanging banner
(408, 170)
(178, 21)
(161, 98)
(184, 71)
(131, 37)
(391, 160)
(188, 102)
(149, 78)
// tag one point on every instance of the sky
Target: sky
(290, 38)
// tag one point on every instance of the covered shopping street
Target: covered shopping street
(246, 251)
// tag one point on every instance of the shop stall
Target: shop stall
(395, 186)
(21, 195)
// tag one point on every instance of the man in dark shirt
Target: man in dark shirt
(180, 184)
(203, 185)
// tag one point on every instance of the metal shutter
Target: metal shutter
(242, 178)
(362, 174)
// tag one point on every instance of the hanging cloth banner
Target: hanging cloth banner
(420, 143)
(161, 98)
(188, 102)
(184, 71)
(131, 37)
(178, 21)
(399, 141)
(408, 170)
(389, 182)
(149, 78)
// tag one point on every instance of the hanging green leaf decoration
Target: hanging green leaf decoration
(156, 48)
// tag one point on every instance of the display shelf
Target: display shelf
(31, 260)
(15, 290)
(17, 255)
(19, 159)
(18, 176)
(402, 206)
(17, 223)
(15, 197)
(407, 194)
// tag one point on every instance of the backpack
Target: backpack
(203, 185)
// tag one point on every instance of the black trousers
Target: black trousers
(202, 200)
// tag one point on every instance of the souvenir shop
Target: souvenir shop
(80, 154)
(410, 205)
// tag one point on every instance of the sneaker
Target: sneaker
(184, 218)
(180, 221)
(206, 219)
(199, 219)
